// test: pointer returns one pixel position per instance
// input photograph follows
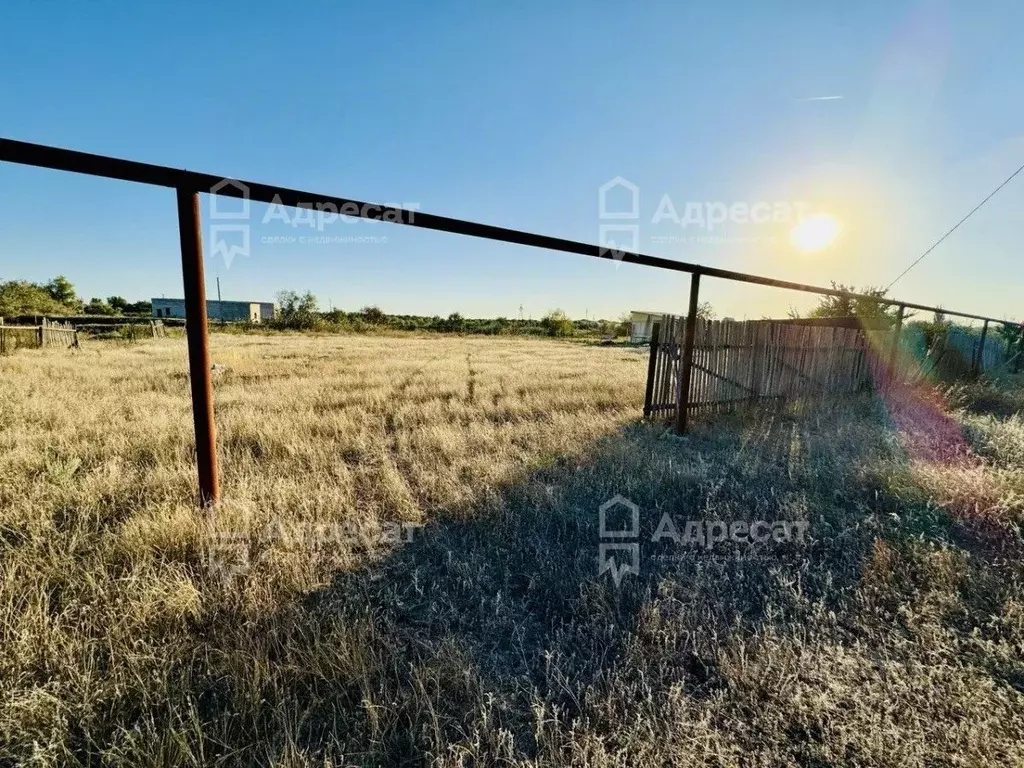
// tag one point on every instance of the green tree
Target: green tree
(98, 307)
(335, 316)
(20, 297)
(936, 330)
(297, 311)
(557, 323)
(1011, 334)
(454, 323)
(374, 315)
(292, 303)
(62, 291)
(139, 308)
(118, 304)
(864, 308)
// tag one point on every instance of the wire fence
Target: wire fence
(739, 363)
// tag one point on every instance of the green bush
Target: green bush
(556, 323)
(21, 297)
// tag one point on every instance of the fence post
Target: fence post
(652, 361)
(894, 352)
(686, 359)
(757, 350)
(42, 335)
(1020, 350)
(979, 353)
(197, 332)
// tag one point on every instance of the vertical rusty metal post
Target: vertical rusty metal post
(198, 335)
(979, 353)
(894, 351)
(686, 359)
(652, 361)
(1020, 350)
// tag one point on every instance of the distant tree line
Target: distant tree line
(58, 297)
(300, 311)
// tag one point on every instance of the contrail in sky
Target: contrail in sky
(820, 98)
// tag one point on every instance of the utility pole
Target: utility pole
(220, 308)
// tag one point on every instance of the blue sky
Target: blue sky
(516, 114)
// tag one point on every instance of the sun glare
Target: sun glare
(815, 233)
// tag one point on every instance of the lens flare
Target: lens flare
(814, 233)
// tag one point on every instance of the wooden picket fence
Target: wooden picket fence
(47, 334)
(746, 362)
(52, 333)
(132, 331)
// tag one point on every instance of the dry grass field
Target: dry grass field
(294, 628)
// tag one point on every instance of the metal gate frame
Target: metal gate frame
(188, 185)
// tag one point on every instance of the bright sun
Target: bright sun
(814, 233)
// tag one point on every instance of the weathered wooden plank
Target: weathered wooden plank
(733, 362)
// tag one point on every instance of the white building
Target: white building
(641, 324)
(253, 311)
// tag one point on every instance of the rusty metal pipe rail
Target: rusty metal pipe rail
(188, 184)
(43, 156)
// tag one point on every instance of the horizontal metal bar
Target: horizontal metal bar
(43, 156)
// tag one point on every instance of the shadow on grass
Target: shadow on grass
(494, 620)
(492, 637)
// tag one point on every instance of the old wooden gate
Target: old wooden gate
(745, 362)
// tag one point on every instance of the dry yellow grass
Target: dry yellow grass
(894, 637)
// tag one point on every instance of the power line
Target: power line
(954, 229)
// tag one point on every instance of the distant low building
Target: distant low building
(641, 325)
(252, 311)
